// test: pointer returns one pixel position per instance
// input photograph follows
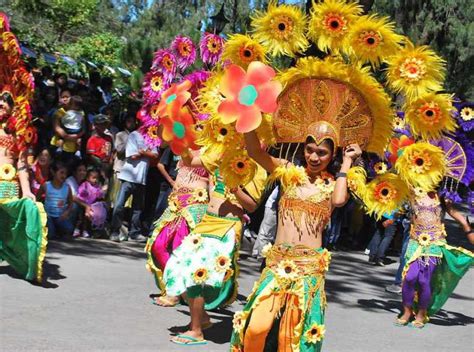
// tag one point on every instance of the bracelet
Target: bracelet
(22, 168)
(341, 174)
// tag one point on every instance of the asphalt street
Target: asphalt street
(96, 298)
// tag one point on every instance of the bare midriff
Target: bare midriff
(222, 207)
(192, 178)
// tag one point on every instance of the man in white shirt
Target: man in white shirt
(133, 182)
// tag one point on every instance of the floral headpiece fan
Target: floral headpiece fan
(18, 82)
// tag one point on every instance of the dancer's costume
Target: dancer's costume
(205, 265)
(186, 207)
(23, 235)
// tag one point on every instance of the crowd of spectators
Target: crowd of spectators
(90, 166)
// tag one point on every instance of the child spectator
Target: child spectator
(57, 202)
(99, 146)
(78, 176)
(40, 170)
(90, 194)
(68, 126)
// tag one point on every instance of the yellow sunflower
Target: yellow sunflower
(222, 263)
(421, 165)
(315, 333)
(239, 320)
(384, 194)
(193, 241)
(200, 276)
(380, 168)
(209, 96)
(424, 239)
(242, 50)
(330, 21)
(398, 123)
(281, 29)
(7, 172)
(415, 71)
(237, 169)
(228, 274)
(265, 131)
(287, 270)
(200, 195)
(430, 115)
(371, 39)
(466, 114)
(419, 192)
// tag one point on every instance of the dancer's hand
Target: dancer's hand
(352, 151)
(29, 195)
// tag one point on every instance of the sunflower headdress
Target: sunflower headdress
(18, 83)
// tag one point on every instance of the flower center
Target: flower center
(288, 270)
(223, 131)
(178, 129)
(240, 164)
(171, 98)
(156, 84)
(281, 26)
(385, 192)
(412, 69)
(248, 95)
(419, 161)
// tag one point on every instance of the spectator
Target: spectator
(91, 195)
(386, 229)
(268, 227)
(105, 88)
(73, 181)
(64, 98)
(61, 81)
(40, 170)
(133, 176)
(57, 202)
(99, 146)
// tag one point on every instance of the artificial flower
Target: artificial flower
(419, 192)
(193, 241)
(200, 195)
(150, 133)
(153, 85)
(247, 95)
(330, 21)
(415, 71)
(211, 46)
(281, 29)
(174, 98)
(424, 239)
(325, 259)
(200, 276)
(237, 169)
(7, 172)
(380, 168)
(371, 39)
(467, 114)
(422, 165)
(266, 250)
(398, 123)
(172, 205)
(185, 51)
(238, 322)
(179, 131)
(154, 112)
(242, 50)
(396, 147)
(385, 192)
(218, 134)
(222, 263)
(431, 115)
(289, 176)
(228, 274)
(165, 61)
(315, 333)
(287, 270)
(197, 79)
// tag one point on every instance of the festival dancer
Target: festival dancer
(24, 234)
(187, 204)
(204, 267)
(433, 268)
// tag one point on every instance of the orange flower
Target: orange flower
(384, 192)
(174, 98)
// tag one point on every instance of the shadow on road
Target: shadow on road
(50, 272)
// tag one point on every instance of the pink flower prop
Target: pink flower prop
(174, 98)
(185, 51)
(165, 61)
(151, 134)
(247, 95)
(211, 46)
(153, 85)
(197, 79)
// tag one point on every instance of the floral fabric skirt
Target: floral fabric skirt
(207, 259)
(172, 227)
(285, 310)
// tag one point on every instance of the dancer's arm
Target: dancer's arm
(340, 195)
(24, 177)
(460, 219)
(245, 200)
(256, 152)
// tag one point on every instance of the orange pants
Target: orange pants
(263, 317)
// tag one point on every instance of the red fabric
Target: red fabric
(100, 146)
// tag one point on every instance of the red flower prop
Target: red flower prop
(396, 146)
(178, 131)
(174, 98)
(247, 95)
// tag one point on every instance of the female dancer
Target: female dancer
(431, 264)
(204, 266)
(290, 292)
(187, 204)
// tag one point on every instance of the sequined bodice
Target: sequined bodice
(427, 219)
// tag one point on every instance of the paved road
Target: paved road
(96, 299)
